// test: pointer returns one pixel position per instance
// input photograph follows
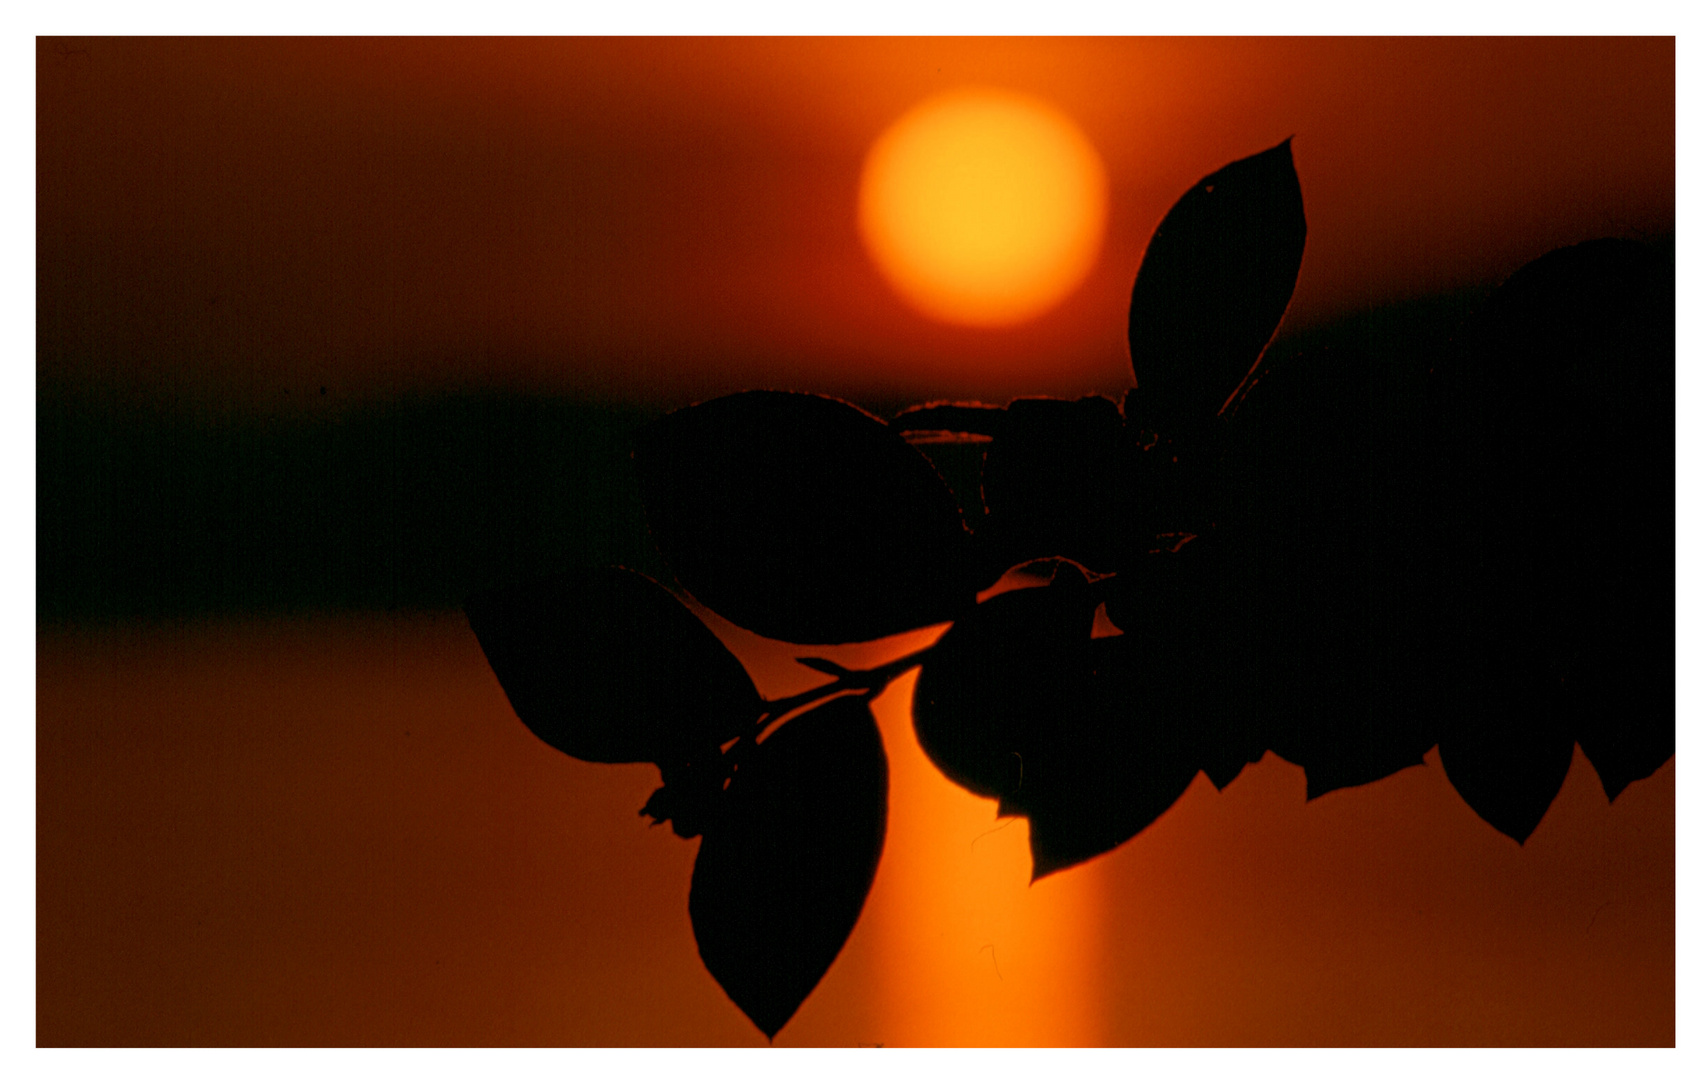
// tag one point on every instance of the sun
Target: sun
(983, 207)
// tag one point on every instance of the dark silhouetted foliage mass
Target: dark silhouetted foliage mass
(1345, 556)
(803, 518)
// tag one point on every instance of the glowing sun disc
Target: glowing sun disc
(983, 207)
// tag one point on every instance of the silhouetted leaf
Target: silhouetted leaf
(1215, 280)
(1561, 406)
(1338, 514)
(783, 872)
(1018, 702)
(1002, 673)
(1508, 749)
(1623, 700)
(608, 666)
(1105, 774)
(1057, 484)
(802, 518)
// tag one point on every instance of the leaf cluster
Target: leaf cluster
(1341, 559)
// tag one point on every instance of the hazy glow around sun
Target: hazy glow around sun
(983, 207)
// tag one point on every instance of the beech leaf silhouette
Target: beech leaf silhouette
(783, 872)
(803, 518)
(1001, 674)
(1018, 702)
(1560, 412)
(1631, 739)
(1105, 775)
(1214, 283)
(607, 666)
(1508, 752)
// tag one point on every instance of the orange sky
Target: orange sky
(669, 219)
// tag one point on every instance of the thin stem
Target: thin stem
(869, 682)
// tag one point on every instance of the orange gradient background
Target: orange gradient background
(262, 829)
(666, 219)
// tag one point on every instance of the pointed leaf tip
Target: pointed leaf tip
(1581, 339)
(783, 873)
(1510, 766)
(1214, 283)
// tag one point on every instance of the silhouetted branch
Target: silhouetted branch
(1346, 562)
(867, 682)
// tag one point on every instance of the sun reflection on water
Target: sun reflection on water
(966, 951)
(973, 953)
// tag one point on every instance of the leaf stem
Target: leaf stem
(869, 682)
